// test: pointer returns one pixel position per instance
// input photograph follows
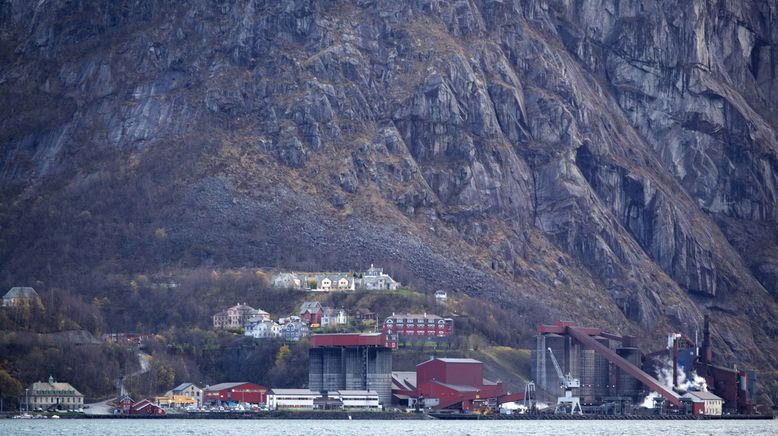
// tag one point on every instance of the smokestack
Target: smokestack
(675, 361)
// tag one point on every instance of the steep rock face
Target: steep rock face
(613, 162)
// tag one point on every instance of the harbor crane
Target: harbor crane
(567, 402)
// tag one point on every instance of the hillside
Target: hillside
(611, 162)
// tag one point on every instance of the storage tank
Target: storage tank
(543, 369)
(626, 385)
(315, 375)
(594, 375)
(354, 363)
(379, 373)
(333, 376)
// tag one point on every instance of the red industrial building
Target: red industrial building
(146, 407)
(445, 383)
(240, 392)
(418, 326)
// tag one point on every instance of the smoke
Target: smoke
(665, 376)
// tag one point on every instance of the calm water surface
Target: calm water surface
(135, 427)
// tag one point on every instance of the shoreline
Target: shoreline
(379, 416)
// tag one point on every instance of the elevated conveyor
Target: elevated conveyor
(582, 336)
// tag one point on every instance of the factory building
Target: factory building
(448, 383)
(608, 372)
(351, 361)
(239, 392)
(705, 403)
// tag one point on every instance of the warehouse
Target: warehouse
(239, 392)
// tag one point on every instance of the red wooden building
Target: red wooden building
(418, 326)
(146, 407)
(311, 312)
(239, 392)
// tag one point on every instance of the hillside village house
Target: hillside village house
(441, 296)
(374, 279)
(333, 317)
(21, 296)
(263, 329)
(288, 280)
(236, 316)
(188, 390)
(418, 326)
(294, 331)
(335, 282)
(52, 395)
(311, 312)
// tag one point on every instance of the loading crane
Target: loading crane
(567, 402)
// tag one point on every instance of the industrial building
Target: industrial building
(705, 403)
(609, 374)
(351, 361)
(306, 399)
(239, 392)
(450, 384)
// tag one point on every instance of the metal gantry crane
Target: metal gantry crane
(568, 402)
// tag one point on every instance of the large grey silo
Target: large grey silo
(379, 373)
(315, 374)
(626, 385)
(354, 367)
(333, 376)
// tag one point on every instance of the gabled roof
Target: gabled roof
(405, 380)
(21, 292)
(704, 395)
(450, 360)
(221, 386)
(183, 386)
(311, 306)
(457, 360)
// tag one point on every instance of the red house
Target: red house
(146, 407)
(240, 392)
(454, 383)
(311, 312)
(418, 326)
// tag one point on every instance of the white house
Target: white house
(374, 278)
(335, 282)
(288, 281)
(278, 399)
(263, 329)
(441, 296)
(20, 296)
(333, 317)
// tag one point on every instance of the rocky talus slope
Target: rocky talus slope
(613, 162)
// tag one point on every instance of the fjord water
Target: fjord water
(151, 427)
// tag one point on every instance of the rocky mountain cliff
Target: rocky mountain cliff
(612, 162)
